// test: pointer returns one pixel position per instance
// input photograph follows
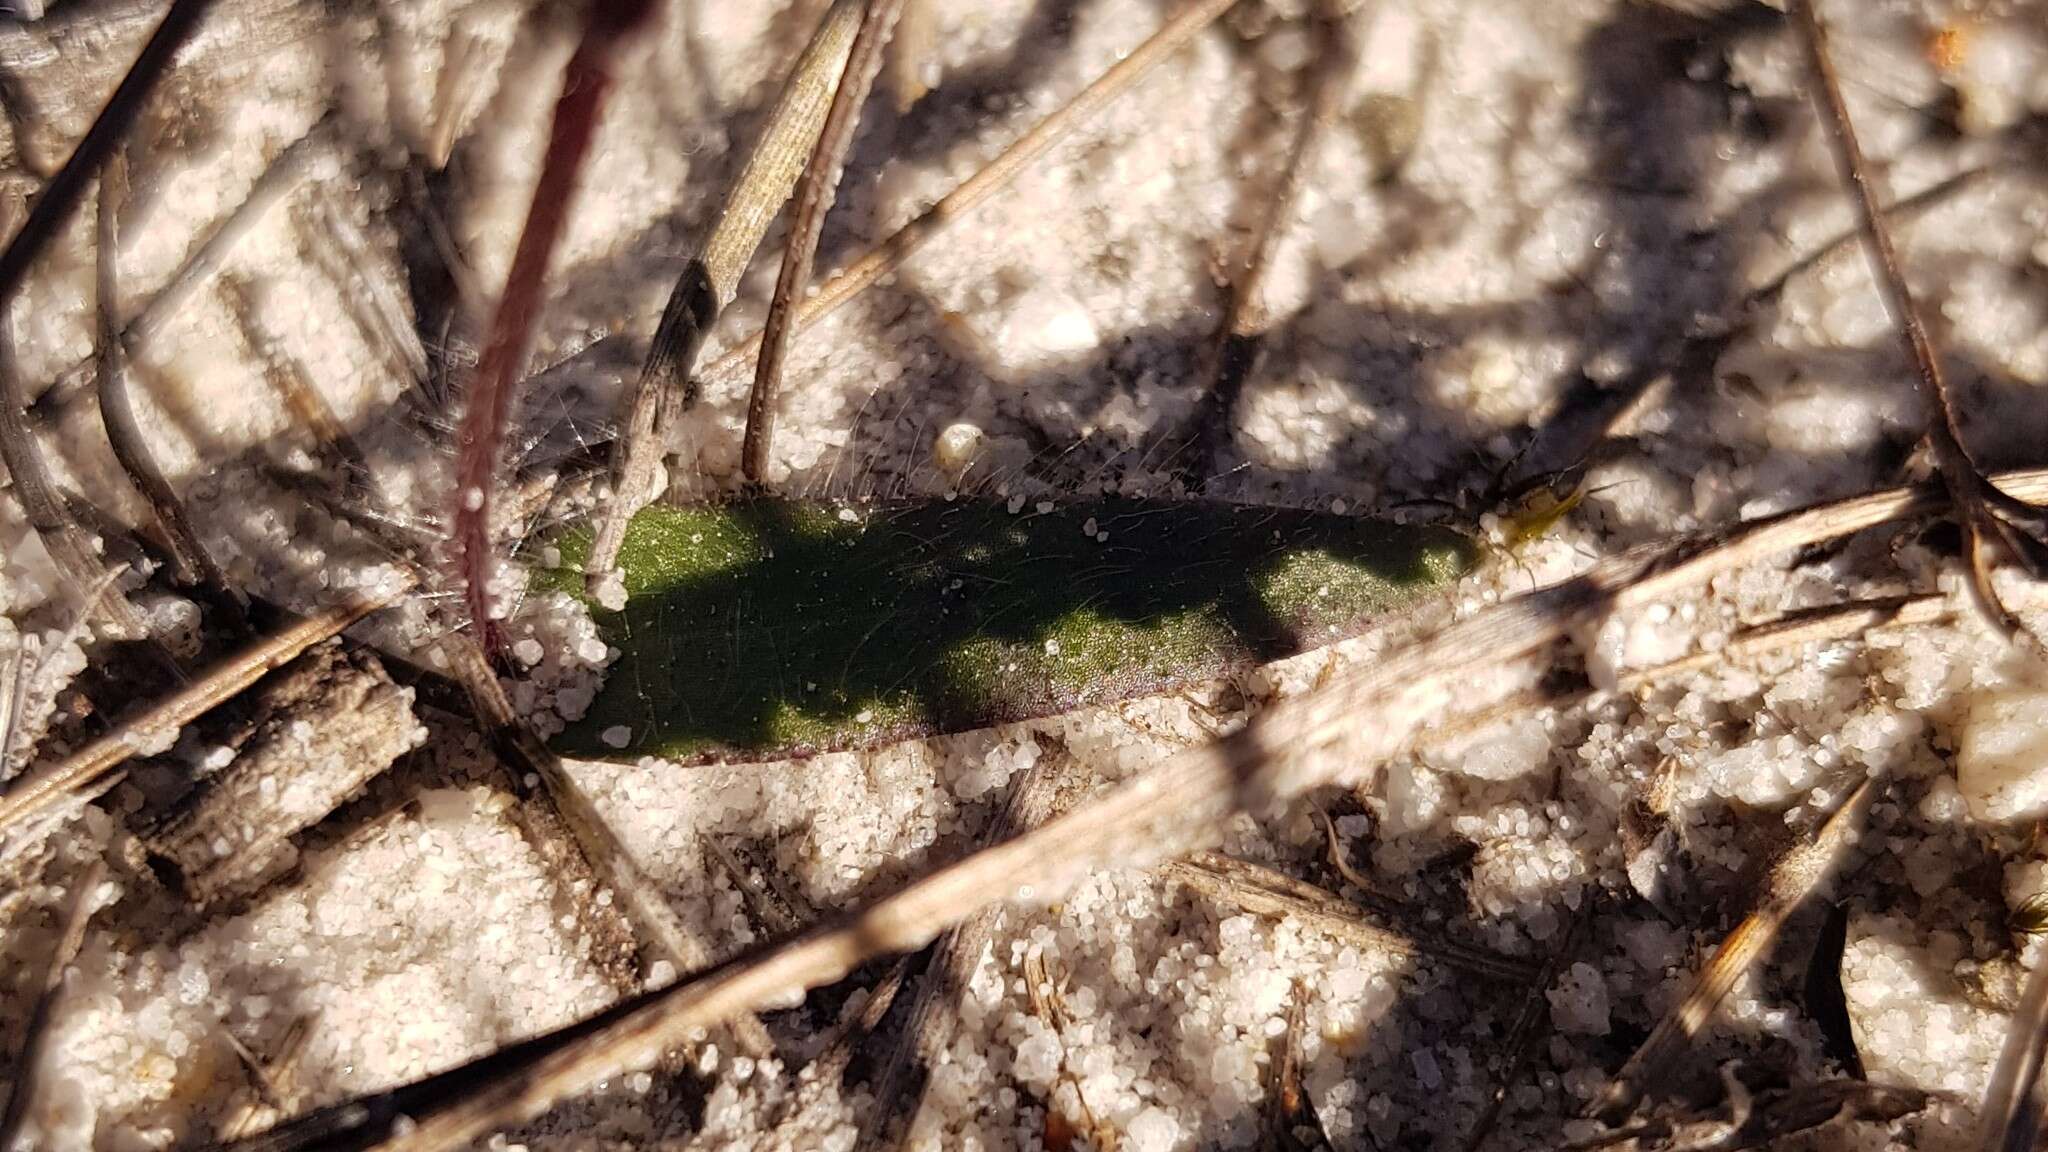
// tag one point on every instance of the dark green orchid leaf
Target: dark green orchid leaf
(767, 627)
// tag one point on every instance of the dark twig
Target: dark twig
(586, 81)
(190, 563)
(1985, 511)
(807, 220)
(60, 197)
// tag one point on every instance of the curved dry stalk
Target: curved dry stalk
(40, 790)
(1795, 874)
(1987, 514)
(586, 81)
(66, 542)
(28, 1054)
(807, 220)
(190, 562)
(712, 277)
(1332, 734)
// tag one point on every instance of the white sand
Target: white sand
(1583, 189)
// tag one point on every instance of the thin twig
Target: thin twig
(29, 1055)
(59, 200)
(891, 253)
(807, 220)
(1790, 879)
(1333, 734)
(586, 81)
(712, 276)
(1985, 512)
(190, 562)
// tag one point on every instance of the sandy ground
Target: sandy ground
(1522, 211)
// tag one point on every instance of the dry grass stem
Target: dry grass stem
(1794, 875)
(1987, 514)
(712, 277)
(807, 221)
(42, 789)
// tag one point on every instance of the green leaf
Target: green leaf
(768, 627)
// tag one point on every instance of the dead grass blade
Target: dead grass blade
(891, 253)
(711, 278)
(1333, 734)
(40, 790)
(586, 81)
(28, 1055)
(1790, 880)
(1987, 514)
(807, 220)
(1263, 891)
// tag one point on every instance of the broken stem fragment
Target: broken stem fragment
(1795, 875)
(40, 790)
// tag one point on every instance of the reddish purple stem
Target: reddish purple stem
(585, 83)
